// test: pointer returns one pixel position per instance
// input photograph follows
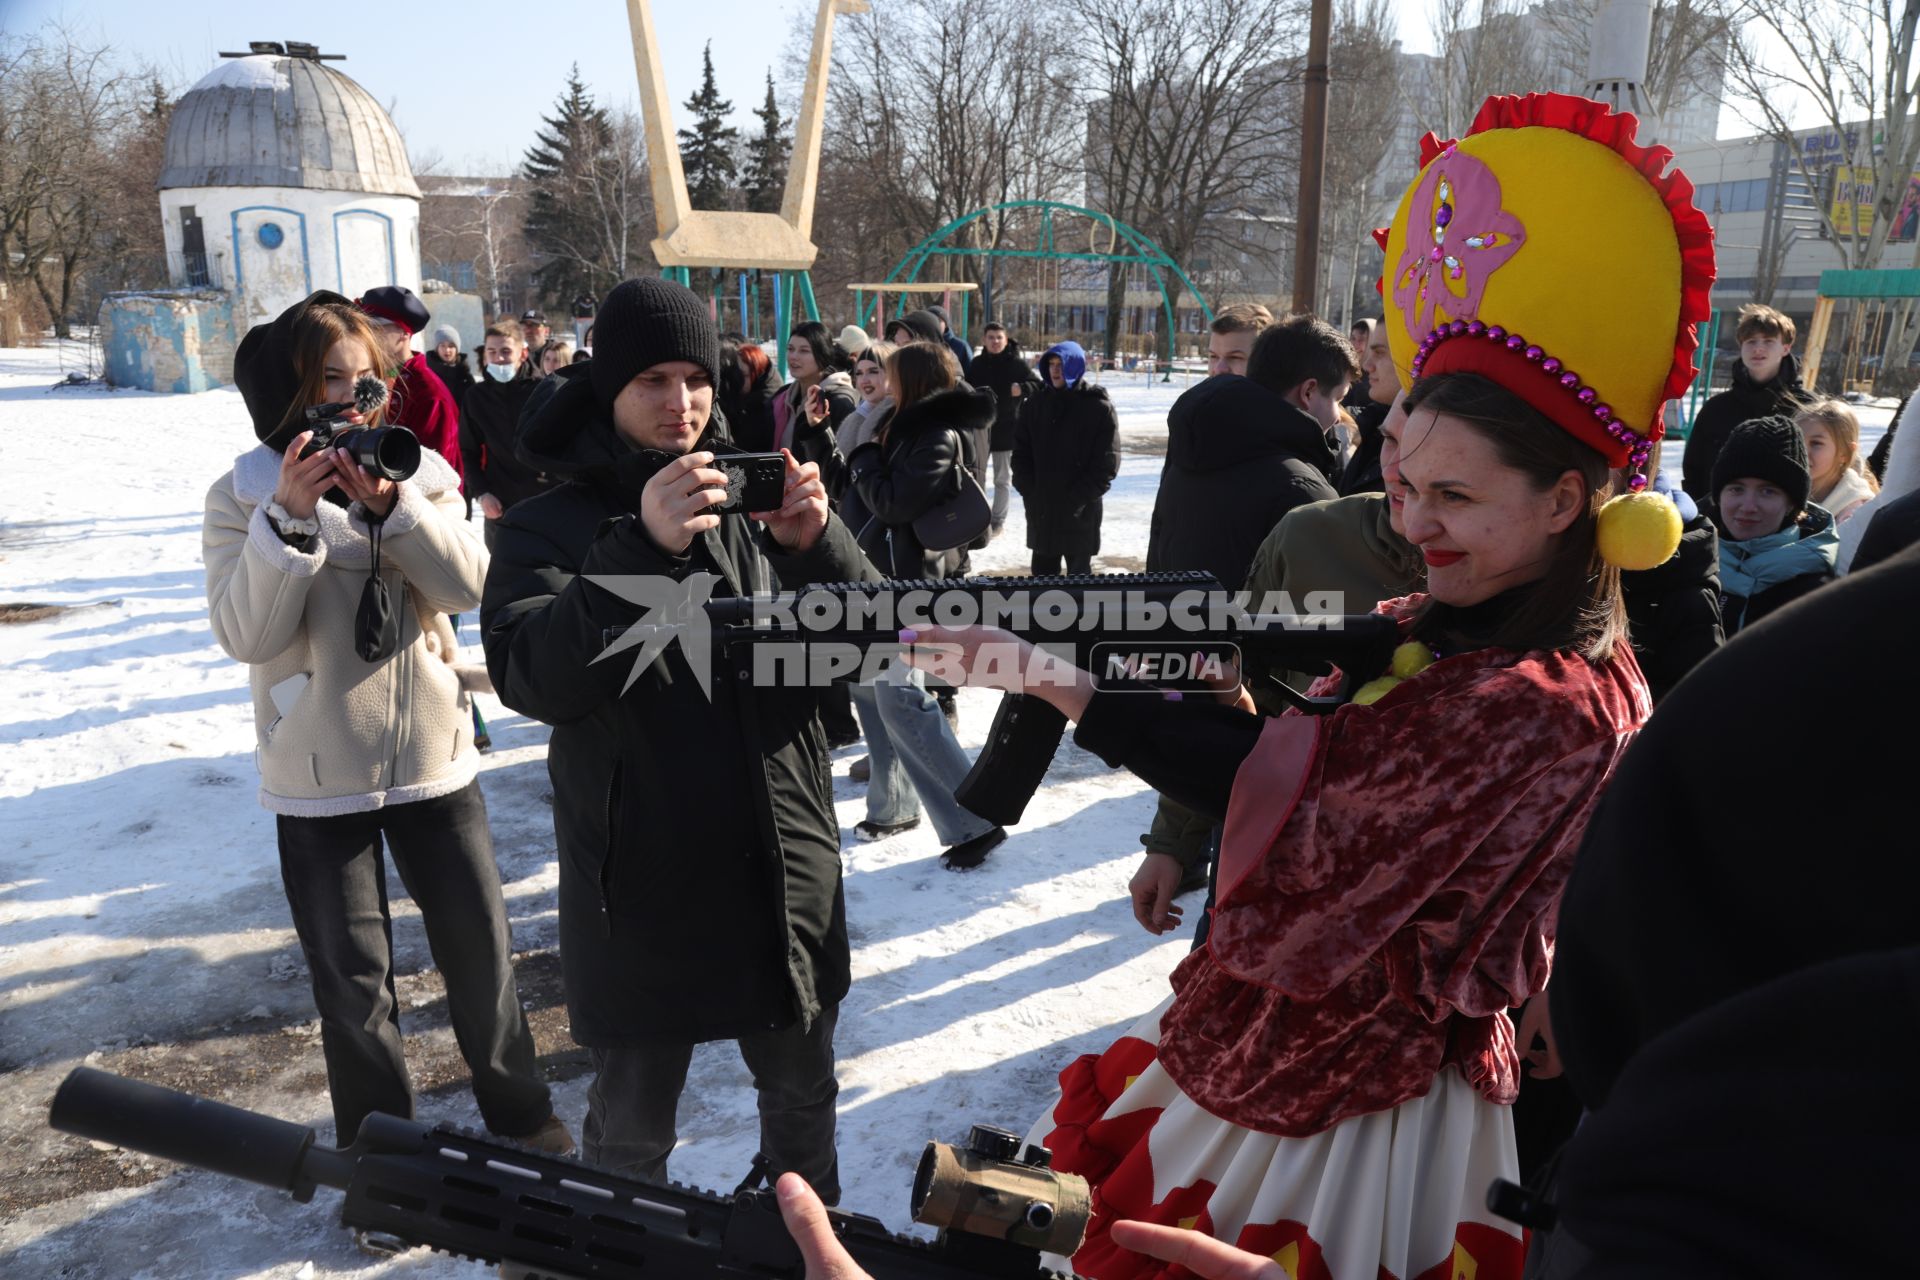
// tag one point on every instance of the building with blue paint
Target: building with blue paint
(282, 176)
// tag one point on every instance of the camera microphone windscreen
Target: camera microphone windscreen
(369, 393)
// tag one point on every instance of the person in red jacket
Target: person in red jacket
(421, 402)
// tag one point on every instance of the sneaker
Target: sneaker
(881, 830)
(862, 770)
(969, 854)
(948, 709)
(551, 1138)
(835, 741)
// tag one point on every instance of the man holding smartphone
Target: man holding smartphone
(700, 894)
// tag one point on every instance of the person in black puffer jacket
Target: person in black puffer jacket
(910, 463)
(1239, 456)
(1066, 452)
(1766, 381)
(496, 478)
(1001, 369)
(700, 893)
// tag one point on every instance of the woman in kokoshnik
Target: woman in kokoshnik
(1327, 1084)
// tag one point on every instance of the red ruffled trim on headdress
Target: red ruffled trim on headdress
(1615, 130)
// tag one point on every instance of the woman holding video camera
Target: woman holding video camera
(333, 584)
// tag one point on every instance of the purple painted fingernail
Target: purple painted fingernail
(908, 635)
(1173, 695)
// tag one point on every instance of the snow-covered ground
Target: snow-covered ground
(143, 927)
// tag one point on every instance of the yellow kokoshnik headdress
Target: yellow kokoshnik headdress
(1549, 253)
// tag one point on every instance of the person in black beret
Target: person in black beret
(1775, 546)
(700, 894)
(422, 403)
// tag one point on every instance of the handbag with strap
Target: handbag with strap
(959, 518)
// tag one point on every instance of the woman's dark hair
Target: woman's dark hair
(1577, 604)
(919, 370)
(826, 352)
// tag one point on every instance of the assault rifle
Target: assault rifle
(1105, 622)
(558, 1219)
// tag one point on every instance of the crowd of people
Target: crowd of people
(1496, 918)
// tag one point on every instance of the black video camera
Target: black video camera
(392, 453)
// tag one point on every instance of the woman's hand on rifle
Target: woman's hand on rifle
(990, 658)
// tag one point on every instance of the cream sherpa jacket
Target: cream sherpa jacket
(334, 733)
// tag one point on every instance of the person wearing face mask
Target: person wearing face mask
(363, 739)
(496, 477)
(700, 879)
(1775, 545)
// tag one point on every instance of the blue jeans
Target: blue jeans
(912, 750)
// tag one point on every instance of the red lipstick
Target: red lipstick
(1438, 559)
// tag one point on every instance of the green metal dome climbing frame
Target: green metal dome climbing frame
(1125, 245)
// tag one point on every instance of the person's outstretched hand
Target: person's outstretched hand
(1198, 1253)
(807, 1223)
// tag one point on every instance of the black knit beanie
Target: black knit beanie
(1770, 449)
(263, 370)
(646, 322)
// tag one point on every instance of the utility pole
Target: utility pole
(1313, 159)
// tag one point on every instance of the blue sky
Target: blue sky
(469, 79)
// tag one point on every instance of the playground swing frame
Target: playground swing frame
(1140, 250)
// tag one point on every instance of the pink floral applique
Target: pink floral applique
(1457, 237)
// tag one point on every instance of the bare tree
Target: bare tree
(477, 220)
(1481, 48)
(1188, 120)
(1851, 62)
(942, 107)
(64, 108)
(1363, 112)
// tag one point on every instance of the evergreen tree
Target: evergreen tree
(706, 150)
(566, 153)
(766, 179)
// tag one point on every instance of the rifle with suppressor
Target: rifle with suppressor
(1131, 613)
(998, 1208)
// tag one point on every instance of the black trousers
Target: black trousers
(1046, 564)
(633, 1103)
(836, 713)
(336, 883)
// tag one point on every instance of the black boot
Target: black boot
(969, 854)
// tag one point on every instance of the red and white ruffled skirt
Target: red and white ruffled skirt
(1393, 1195)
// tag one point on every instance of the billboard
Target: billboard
(1851, 206)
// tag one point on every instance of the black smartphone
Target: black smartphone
(755, 481)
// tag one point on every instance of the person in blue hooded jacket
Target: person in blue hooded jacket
(1775, 546)
(1066, 453)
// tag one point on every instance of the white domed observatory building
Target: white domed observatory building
(282, 176)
